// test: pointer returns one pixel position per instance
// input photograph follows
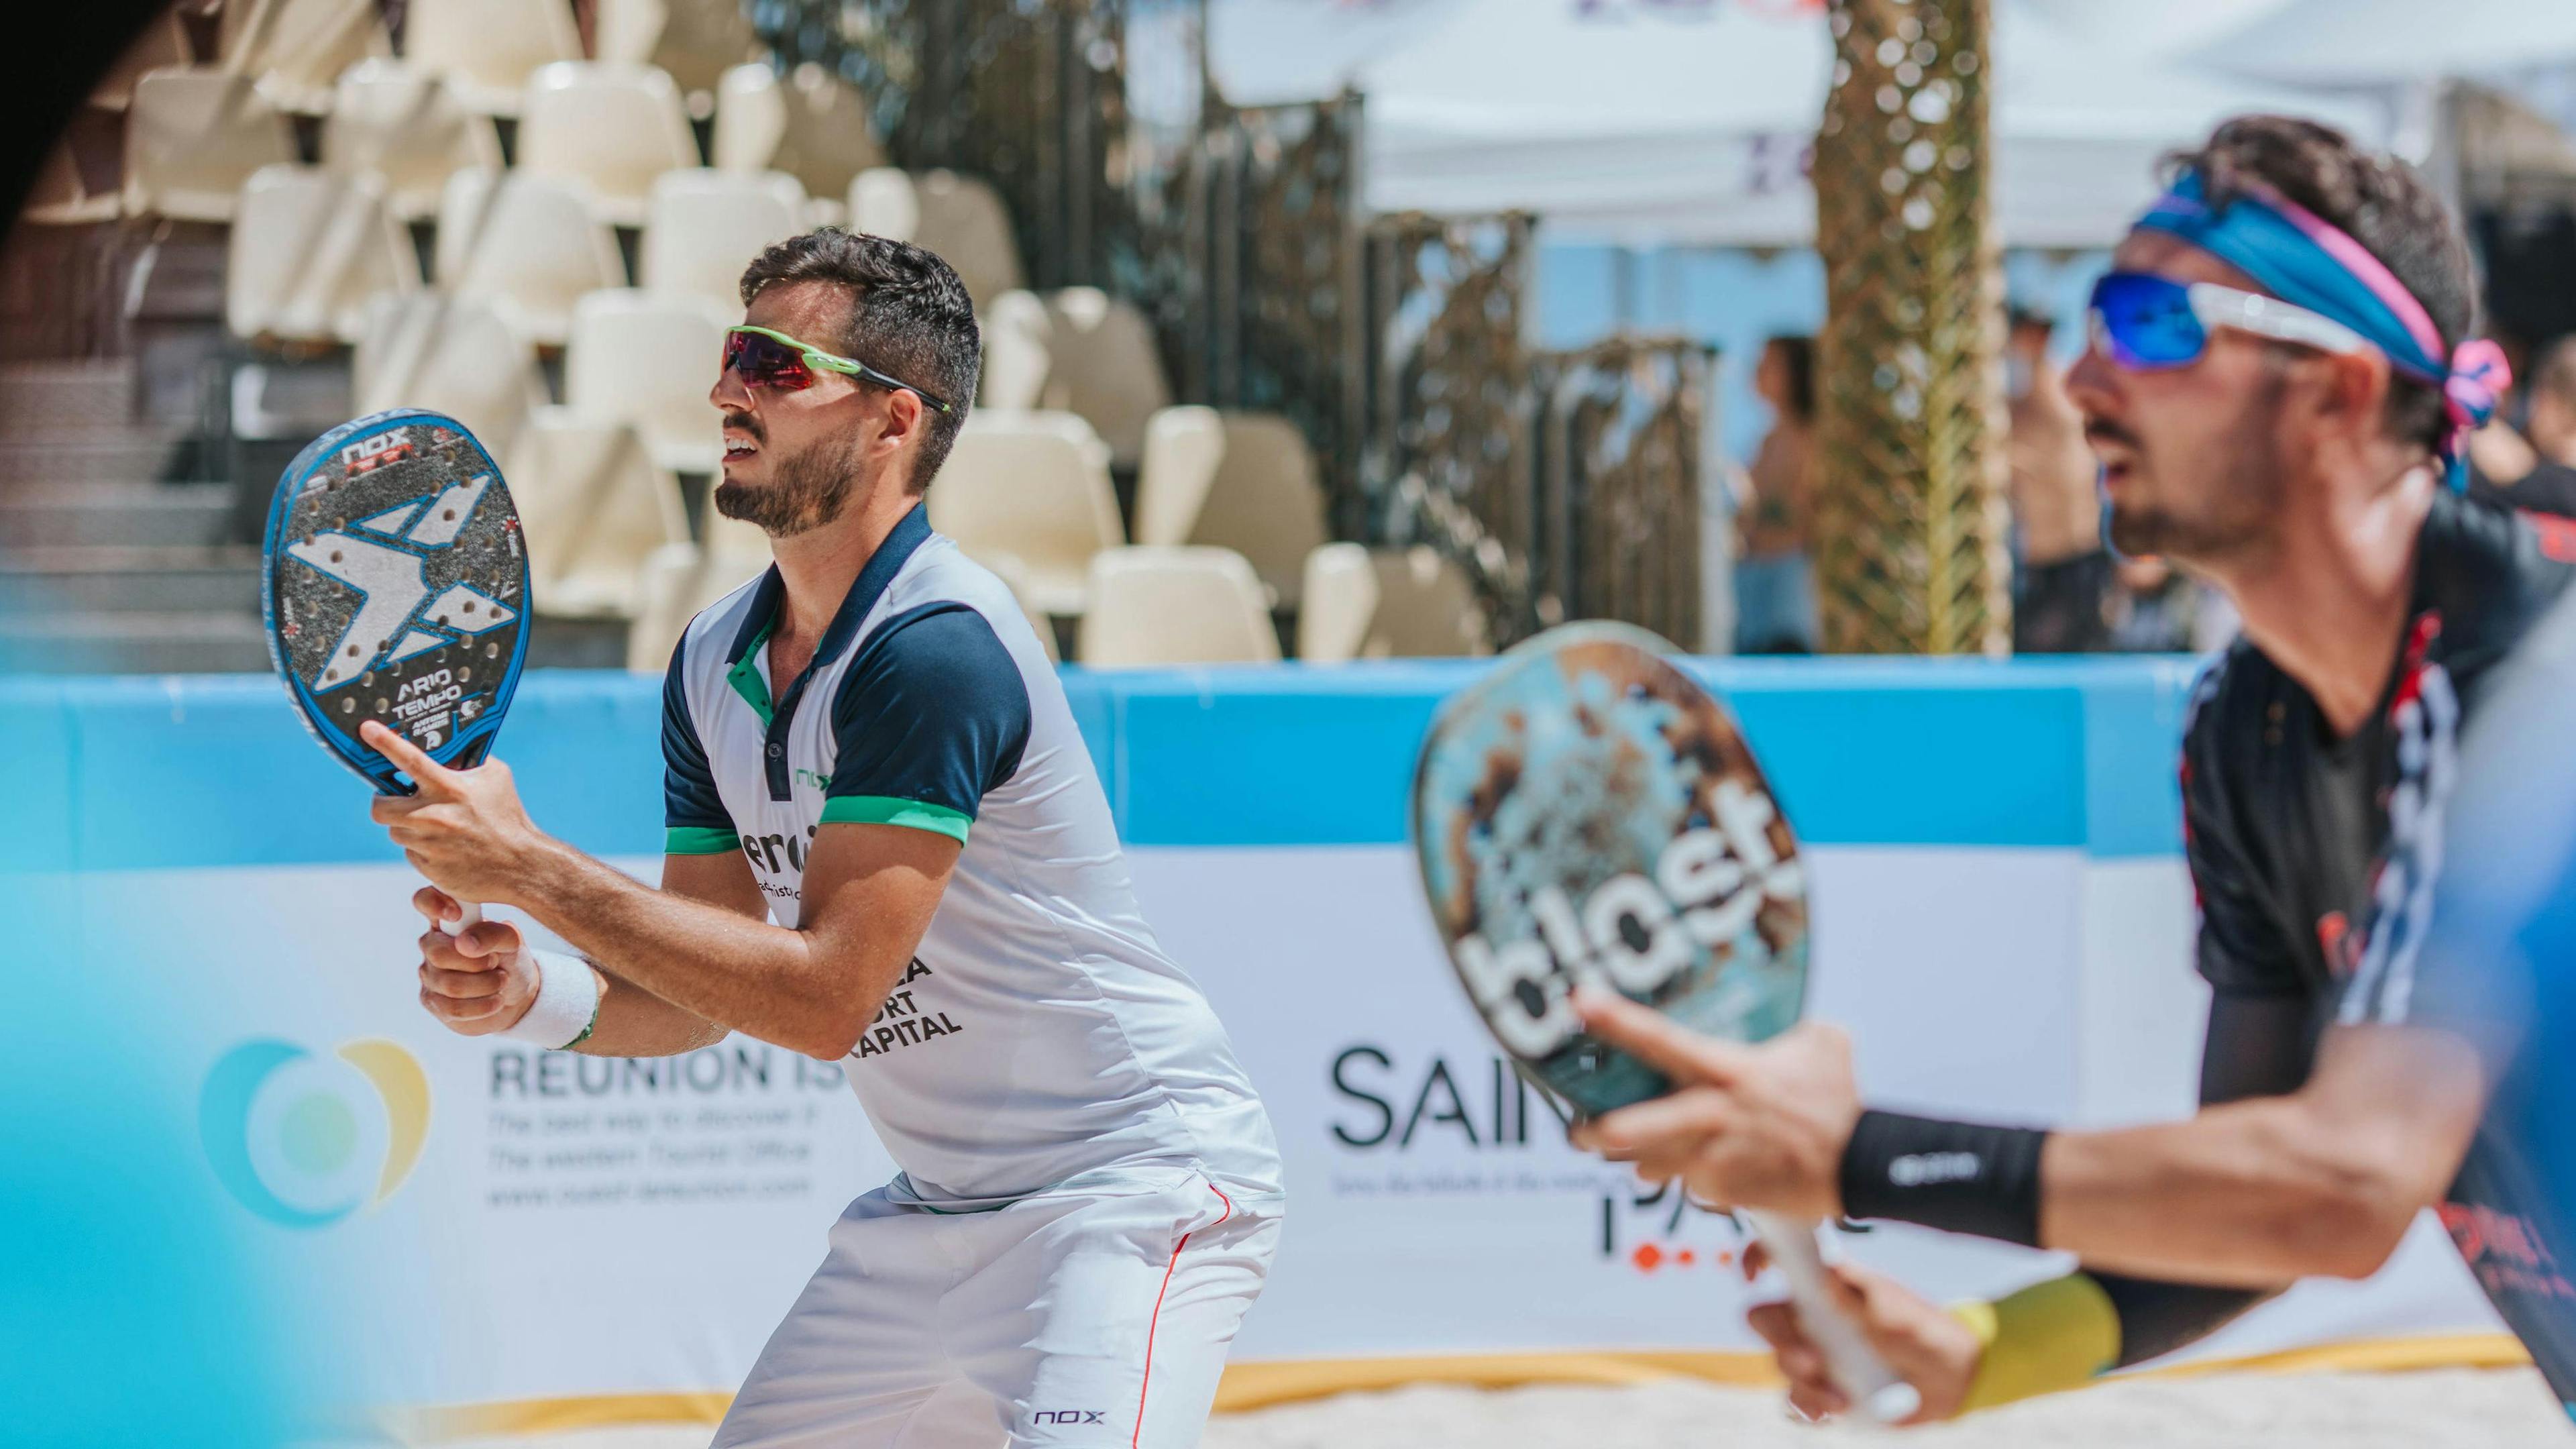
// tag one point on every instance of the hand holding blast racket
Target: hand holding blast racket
(1588, 817)
(395, 586)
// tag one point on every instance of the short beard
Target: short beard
(2242, 512)
(809, 491)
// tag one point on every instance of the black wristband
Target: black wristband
(1960, 1177)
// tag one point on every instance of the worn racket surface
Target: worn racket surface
(395, 587)
(1589, 815)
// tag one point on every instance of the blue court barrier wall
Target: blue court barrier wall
(171, 772)
(2002, 921)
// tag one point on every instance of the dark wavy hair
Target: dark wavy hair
(909, 318)
(2377, 200)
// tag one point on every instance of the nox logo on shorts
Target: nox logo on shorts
(1068, 1416)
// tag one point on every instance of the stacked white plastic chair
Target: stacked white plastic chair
(647, 359)
(402, 123)
(192, 139)
(703, 226)
(488, 49)
(612, 125)
(1036, 486)
(1245, 481)
(1363, 603)
(309, 250)
(531, 241)
(1167, 606)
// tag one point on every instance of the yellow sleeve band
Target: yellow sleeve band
(2049, 1336)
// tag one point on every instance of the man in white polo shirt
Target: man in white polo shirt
(887, 846)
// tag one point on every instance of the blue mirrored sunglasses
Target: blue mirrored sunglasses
(2144, 321)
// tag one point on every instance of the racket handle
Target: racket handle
(1874, 1389)
(473, 916)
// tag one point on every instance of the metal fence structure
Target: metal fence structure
(1621, 427)
(1450, 395)
(1275, 319)
(1567, 485)
(1030, 95)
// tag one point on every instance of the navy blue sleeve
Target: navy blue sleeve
(932, 714)
(693, 815)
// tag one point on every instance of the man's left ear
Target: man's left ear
(906, 414)
(2349, 396)
(2363, 382)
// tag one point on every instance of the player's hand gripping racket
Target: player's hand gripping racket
(1588, 815)
(395, 588)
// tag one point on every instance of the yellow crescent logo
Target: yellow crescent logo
(303, 1140)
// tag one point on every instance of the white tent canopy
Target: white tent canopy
(2162, 28)
(1642, 122)
(2391, 42)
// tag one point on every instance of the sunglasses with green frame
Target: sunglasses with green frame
(768, 358)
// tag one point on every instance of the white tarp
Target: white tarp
(1640, 121)
(2368, 43)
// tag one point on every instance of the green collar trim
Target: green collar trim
(745, 674)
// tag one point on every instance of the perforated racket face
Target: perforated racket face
(395, 586)
(1588, 813)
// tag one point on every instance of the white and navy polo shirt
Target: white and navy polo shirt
(1040, 1033)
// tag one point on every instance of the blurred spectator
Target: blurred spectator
(2148, 613)
(2533, 469)
(1775, 589)
(2065, 581)
(2550, 414)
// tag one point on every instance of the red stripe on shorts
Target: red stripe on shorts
(1150, 1324)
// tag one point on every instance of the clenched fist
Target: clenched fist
(1927, 1347)
(477, 982)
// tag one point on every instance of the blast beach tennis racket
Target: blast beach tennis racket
(1588, 815)
(394, 584)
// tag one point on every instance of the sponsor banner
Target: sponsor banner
(502, 1226)
(1427, 1184)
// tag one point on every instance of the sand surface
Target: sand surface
(2435, 1409)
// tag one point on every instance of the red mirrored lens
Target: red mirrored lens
(766, 362)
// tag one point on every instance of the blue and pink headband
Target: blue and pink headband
(2305, 260)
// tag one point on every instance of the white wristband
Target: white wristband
(567, 1004)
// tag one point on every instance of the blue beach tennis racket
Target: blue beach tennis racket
(394, 584)
(1589, 815)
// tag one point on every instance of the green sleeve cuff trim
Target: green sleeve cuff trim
(880, 810)
(698, 840)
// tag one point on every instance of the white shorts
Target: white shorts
(1082, 1318)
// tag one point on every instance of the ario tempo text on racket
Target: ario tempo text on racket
(395, 589)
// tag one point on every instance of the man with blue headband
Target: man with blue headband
(2278, 385)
